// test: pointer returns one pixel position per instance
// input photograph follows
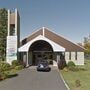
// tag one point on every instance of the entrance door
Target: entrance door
(36, 59)
(42, 55)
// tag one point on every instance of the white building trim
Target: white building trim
(43, 32)
(55, 46)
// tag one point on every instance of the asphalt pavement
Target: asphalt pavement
(30, 79)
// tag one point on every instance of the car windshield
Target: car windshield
(44, 62)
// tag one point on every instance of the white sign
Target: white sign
(11, 48)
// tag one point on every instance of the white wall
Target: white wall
(80, 57)
(11, 49)
(67, 56)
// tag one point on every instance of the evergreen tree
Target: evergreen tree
(3, 32)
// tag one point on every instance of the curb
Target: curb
(63, 79)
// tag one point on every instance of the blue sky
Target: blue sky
(69, 18)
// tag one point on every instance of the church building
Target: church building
(46, 44)
(42, 44)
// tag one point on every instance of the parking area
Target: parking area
(30, 79)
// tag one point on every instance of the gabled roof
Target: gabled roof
(55, 46)
(68, 45)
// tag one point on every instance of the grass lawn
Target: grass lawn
(13, 71)
(83, 75)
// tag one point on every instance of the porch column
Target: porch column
(58, 58)
(27, 64)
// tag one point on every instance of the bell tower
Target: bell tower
(13, 37)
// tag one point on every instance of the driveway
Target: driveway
(30, 79)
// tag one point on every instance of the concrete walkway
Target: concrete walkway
(30, 79)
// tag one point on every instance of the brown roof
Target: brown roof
(68, 45)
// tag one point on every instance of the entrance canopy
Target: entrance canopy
(55, 46)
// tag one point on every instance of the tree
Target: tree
(3, 32)
(87, 47)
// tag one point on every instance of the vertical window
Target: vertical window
(69, 55)
(12, 29)
(75, 55)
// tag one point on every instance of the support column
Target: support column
(58, 58)
(8, 22)
(27, 64)
(67, 57)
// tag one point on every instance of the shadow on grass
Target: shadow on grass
(8, 76)
(12, 75)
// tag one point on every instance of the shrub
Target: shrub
(73, 68)
(19, 67)
(77, 83)
(11, 74)
(15, 63)
(4, 75)
(62, 64)
(1, 76)
(71, 64)
(4, 66)
(8, 74)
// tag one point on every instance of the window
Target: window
(69, 55)
(75, 55)
(12, 29)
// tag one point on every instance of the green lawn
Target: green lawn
(83, 75)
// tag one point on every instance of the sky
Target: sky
(68, 18)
